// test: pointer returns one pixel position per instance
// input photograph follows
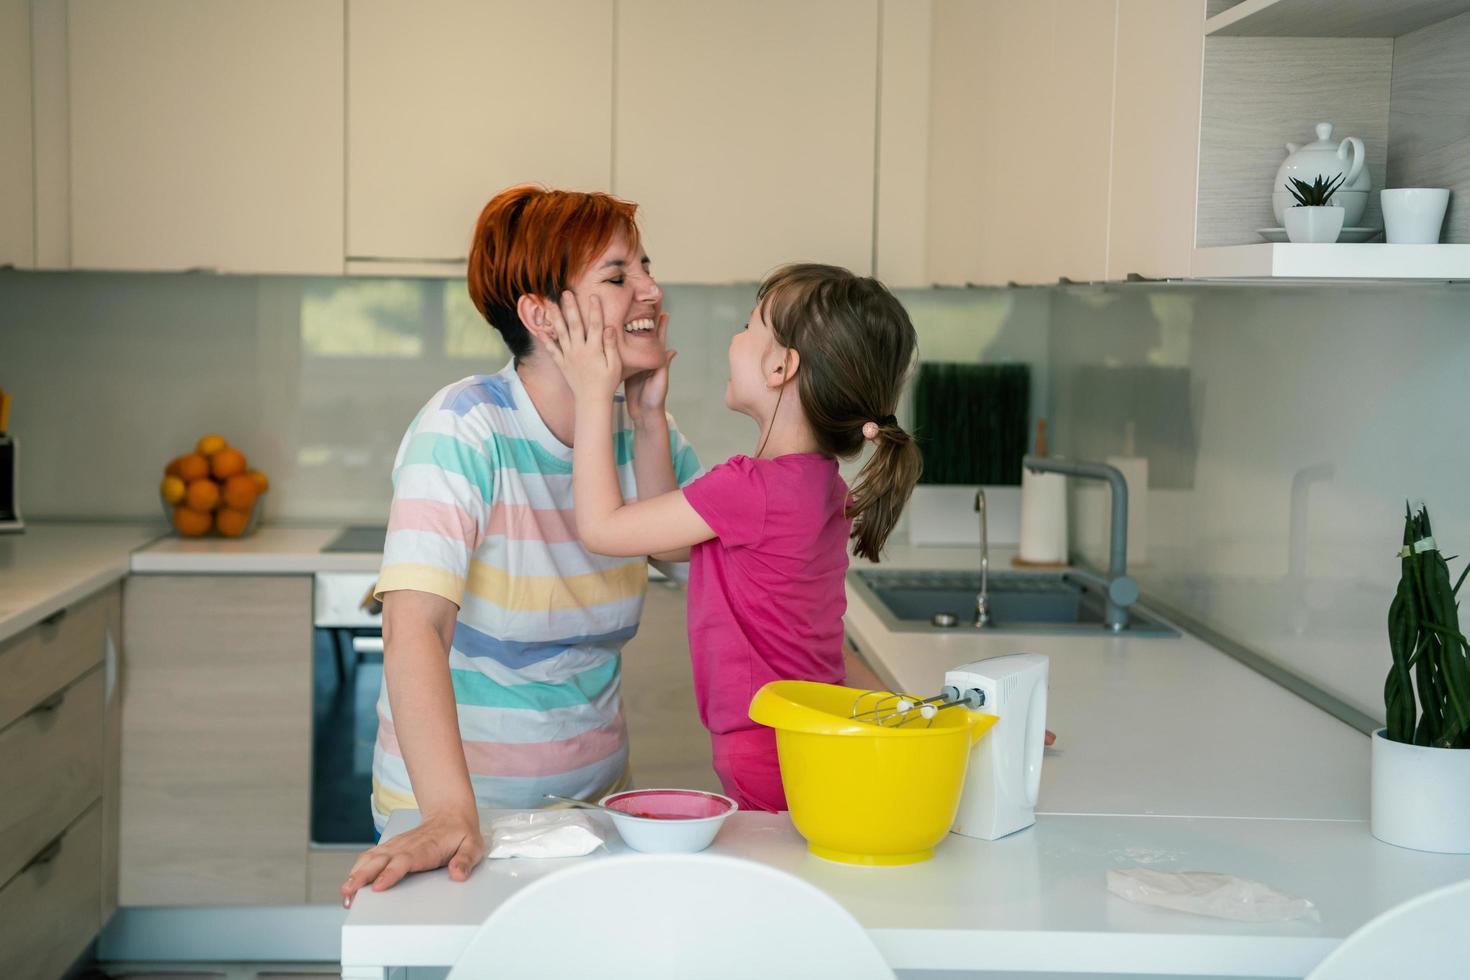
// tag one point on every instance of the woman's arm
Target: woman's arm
(418, 628)
(587, 353)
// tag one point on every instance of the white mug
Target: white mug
(1413, 215)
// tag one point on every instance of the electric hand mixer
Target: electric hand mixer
(1004, 773)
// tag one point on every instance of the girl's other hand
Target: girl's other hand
(455, 841)
(648, 390)
(585, 348)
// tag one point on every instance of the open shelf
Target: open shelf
(1442, 263)
(1331, 18)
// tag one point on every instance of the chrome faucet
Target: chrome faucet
(982, 613)
(1121, 590)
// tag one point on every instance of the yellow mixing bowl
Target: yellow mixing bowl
(861, 793)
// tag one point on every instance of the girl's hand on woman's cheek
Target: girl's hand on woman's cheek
(648, 390)
(585, 348)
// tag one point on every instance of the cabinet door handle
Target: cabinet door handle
(50, 704)
(54, 618)
(45, 855)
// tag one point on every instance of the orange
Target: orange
(262, 484)
(193, 467)
(226, 463)
(174, 467)
(211, 444)
(202, 495)
(172, 489)
(231, 522)
(239, 492)
(190, 523)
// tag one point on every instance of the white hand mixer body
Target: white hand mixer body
(1004, 774)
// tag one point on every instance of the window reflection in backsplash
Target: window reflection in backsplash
(316, 379)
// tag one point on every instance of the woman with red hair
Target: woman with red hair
(502, 633)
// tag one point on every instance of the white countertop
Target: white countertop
(49, 566)
(1034, 901)
(272, 550)
(1145, 725)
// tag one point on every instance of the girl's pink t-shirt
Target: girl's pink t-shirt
(765, 597)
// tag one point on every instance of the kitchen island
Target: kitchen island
(1171, 756)
(1032, 903)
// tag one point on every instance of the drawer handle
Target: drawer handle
(45, 855)
(54, 618)
(50, 704)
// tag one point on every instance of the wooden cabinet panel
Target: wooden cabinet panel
(667, 743)
(451, 101)
(900, 249)
(48, 912)
(1069, 203)
(1155, 137)
(216, 737)
(17, 184)
(50, 655)
(746, 133)
(207, 133)
(112, 664)
(52, 770)
(989, 135)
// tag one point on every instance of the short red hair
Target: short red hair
(530, 241)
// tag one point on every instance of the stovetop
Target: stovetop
(360, 538)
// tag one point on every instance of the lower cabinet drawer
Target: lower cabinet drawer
(51, 770)
(51, 910)
(53, 653)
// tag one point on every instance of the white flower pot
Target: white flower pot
(1317, 226)
(1421, 796)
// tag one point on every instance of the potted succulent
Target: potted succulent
(1421, 758)
(1313, 218)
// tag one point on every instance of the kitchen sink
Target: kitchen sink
(932, 601)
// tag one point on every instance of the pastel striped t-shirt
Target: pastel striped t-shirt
(482, 515)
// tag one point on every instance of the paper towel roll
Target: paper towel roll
(1043, 518)
(1135, 471)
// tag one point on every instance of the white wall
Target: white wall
(317, 378)
(1356, 393)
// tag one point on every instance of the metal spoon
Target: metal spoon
(583, 804)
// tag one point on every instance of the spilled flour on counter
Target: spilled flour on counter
(1144, 855)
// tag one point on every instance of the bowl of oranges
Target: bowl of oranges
(213, 489)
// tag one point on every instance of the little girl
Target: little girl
(819, 367)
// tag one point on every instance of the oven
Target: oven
(347, 672)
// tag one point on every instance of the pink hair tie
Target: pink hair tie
(870, 431)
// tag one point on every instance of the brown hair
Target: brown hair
(856, 345)
(530, 241)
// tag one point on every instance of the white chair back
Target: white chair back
(671, 917)
(1426, 938)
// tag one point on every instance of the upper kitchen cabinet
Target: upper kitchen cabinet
(1155, 138)
(1394, 75)
(1018, 153)
(451, 101)
(17, 201)
(746, 133)
(207, 134)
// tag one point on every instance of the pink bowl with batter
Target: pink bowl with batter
(668, 821)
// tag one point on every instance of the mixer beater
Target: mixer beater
(891, 710)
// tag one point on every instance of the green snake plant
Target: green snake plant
(1431, 656)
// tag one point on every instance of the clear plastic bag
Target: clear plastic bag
(1209, 893)
(543, 834)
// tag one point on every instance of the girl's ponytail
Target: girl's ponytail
(883, 487)
(856, 345)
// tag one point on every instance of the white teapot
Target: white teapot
(1325, 158)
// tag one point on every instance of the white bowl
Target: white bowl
(679, 821)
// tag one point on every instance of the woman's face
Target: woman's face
(630, 297)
